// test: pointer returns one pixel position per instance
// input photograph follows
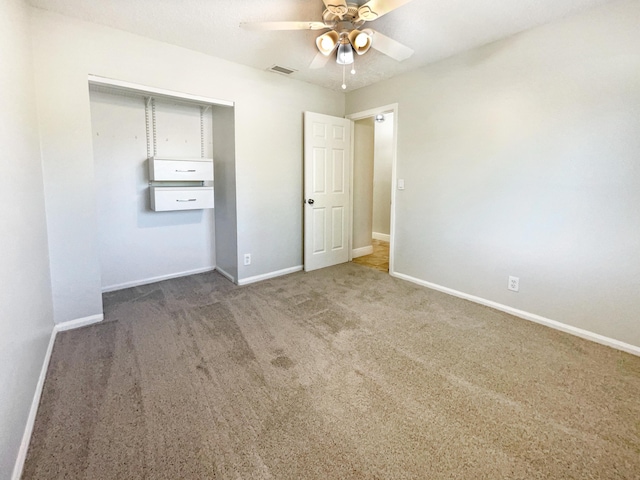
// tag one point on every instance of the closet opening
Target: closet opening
(165, 184)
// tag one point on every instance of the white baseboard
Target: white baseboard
(579, 332)
(266, 276)
(78, 322)
(362, 251)
(226, 275)
(146, 281)
(31, 419)
(381, 236)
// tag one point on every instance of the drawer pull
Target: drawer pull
(186, 171)
(187, 200)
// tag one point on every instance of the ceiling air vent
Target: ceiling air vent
(281, 70)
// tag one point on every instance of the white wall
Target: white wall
(363, 152)
(382, 165)
(268, 130)
(25, 297)
(521, 158)
(136, 244)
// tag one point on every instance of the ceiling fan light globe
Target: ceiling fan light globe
(345, 54)
(327, 42)
(361, 41)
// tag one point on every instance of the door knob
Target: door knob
(310, 201)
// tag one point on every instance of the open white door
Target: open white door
(327, 147)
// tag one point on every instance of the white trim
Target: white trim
(226, 275)
(31, 419)
(394, 190)
(352, 158)
(78, 323)
(160, 278)
(381, 236)
(266, 276)
(156, 92)
(362, 251)
(35, 403)
(563, 327)
(392, 107)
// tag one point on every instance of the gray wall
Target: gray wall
(136, 244)
(25, 297)
(363, 147)
(521, 158)
(382, 165)
(268, 157)
(224, 148)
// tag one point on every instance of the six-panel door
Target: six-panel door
(326, 179)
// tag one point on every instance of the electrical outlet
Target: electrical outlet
(514, 284)
(247, 259)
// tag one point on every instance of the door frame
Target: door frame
(372, 112)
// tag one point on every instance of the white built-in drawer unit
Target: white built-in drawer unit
(180, 169)
(181, 198)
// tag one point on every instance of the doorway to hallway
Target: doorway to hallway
(373, 170)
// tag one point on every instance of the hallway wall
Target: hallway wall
(363, 182)
(382, 165)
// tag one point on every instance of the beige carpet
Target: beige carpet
(340, 373)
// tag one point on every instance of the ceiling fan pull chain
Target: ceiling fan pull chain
(344, 69)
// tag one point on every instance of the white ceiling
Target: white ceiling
(435, 29)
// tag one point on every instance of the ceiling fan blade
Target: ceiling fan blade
(337, 7)
(376, 8)
(263, 26)
(319, 61)
(389, 46)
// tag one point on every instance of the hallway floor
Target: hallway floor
(379, 259)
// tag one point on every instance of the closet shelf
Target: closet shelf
(189, 197)
(181, 198)
(183, 159)
(163, 169)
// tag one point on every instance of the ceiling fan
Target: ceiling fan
(345, 34)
